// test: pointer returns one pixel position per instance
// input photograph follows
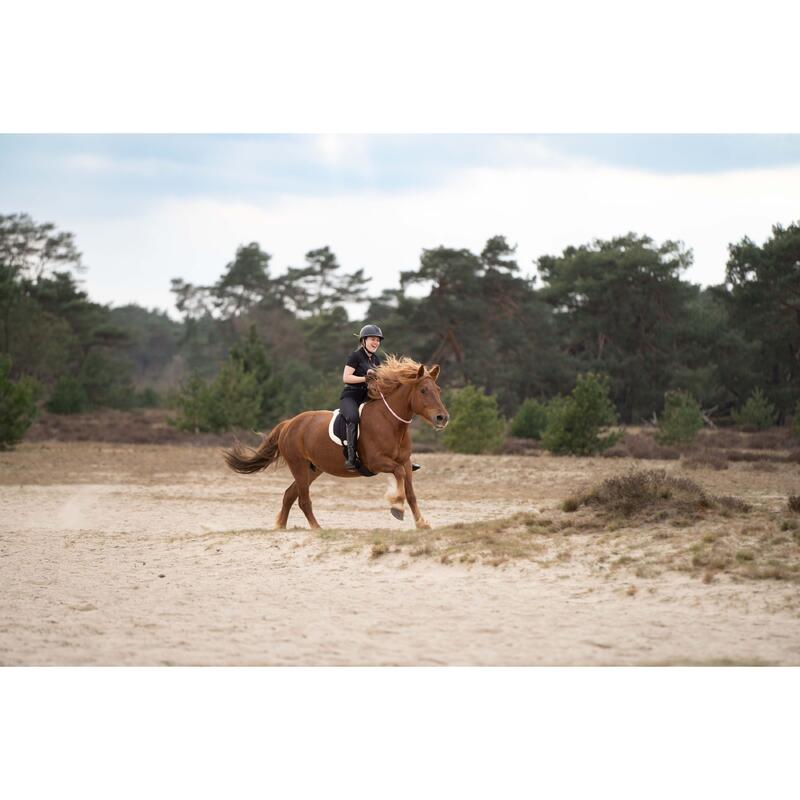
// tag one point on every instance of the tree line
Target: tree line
(621, 308)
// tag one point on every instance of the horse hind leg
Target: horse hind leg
(291, 494)
(304, 476)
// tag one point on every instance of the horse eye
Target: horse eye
(424, 391)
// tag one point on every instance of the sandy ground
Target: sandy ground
(156, 554)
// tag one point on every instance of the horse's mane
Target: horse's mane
(392, 373)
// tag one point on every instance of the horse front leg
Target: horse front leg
(411, 497)
(396, 494)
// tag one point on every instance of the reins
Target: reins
(407, 421)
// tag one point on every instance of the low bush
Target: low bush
(654, 493)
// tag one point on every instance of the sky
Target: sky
(148, 208)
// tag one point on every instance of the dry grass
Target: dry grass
(139, 426)
(727, 439)
(748, 455)
(713, 548)
(641, 446)
(513, 446)
(774, 439)
(492, 542)
(706, 459)
(763, 466)
(641, 523)
(723, 439)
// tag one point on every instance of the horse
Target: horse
(401, 389)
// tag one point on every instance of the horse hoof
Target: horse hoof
(398, 513)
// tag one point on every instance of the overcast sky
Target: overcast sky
(145, 209)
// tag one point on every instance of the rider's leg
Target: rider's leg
(349, 409)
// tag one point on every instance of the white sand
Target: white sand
(82, 549)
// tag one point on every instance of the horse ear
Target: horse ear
(420, 371)
(434, 371)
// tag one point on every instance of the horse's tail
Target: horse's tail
(246, 460)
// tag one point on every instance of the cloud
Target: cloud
(542, 209)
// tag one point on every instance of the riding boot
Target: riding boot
(352, 444)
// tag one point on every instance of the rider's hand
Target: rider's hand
(371, 375)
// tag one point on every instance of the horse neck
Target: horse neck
(400, 402)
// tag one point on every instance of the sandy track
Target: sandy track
(87, 531)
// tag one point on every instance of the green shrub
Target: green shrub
(231, 400)
(17, 406)
(146, 398)
(796, 421)
(68, 397)
(757, 412)
(107, 380)
(236, 397)
(193, 402)
(574, 423)
(530, 420)
(250, 354)
(681, 419)
(475, 424)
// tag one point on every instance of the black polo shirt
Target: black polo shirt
(360, 361)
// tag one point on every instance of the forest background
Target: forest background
(267, 341)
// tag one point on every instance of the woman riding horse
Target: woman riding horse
(401, 389)
(359, 369)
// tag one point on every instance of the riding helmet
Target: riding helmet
(370, 330)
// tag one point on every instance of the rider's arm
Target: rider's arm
(349, 377)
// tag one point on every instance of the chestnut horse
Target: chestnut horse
(402, 389)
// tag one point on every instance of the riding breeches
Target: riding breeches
(349, 408)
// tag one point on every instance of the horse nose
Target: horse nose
(442, 419)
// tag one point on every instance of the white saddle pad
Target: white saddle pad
(334, 437)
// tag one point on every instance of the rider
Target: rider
(359, 368)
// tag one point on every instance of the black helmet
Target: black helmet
(370, 330)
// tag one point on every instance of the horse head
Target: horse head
(426, 398)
